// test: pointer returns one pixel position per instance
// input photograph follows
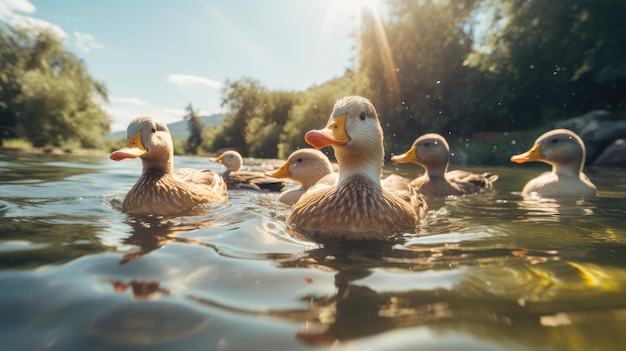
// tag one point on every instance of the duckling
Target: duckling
(237, 179)
(360, 205)
(432, 152)
(565, 152)
(158, 191)
(307, 167)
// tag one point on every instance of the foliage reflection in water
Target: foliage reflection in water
(484, 272)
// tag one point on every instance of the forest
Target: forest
(455, 67)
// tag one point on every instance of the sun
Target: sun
(354, 6)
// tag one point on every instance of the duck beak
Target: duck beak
(218, 159)
(534, 154)
(134, 148)
(282, 172)
(333, 134)
(406, 157)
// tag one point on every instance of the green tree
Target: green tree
(421, 84)
(554, 59)
(46, 93)
(242, 100)
(263, 130)
(313, 110)
(196, 129)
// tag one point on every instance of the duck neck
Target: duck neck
(364, 162)
(437, 171)
(165, 164)
(568, 170)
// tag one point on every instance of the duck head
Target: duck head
(150, 140)
(354, 132)
(231, 159)
(430, 151)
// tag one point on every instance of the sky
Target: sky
(157, 56)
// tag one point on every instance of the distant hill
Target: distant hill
(179, 129)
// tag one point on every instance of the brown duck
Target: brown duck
(159, 191)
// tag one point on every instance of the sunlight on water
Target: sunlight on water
(494, 272)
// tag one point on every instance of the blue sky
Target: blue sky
(156, 56)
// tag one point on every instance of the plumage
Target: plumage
(307, 167)
(360, 205)
(237, 179)
(432, 152)
(565, 152)
(159, 191)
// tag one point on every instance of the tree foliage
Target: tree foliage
(255, 119)
(196, 129)
(557, 58)
(456, 67)
(46, 93)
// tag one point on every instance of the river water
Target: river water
(482, 273)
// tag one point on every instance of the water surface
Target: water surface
(483, 272)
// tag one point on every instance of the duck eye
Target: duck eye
(153, 130)
(427, 144)
(362, 116)
(299, 160)
(554, 141)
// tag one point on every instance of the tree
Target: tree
(242, 99)
(46, 93)
(312, 111)
(556, 58)
(427, 44)
(195, 127)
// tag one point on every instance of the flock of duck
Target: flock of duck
(353, 203)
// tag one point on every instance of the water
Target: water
(483, 273)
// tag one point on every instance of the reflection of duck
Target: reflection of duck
(307, 167)
(152, 233)
(142, 289)
(360, 206)
(237, 179)
(565, 151)
(432, 152)
(158, 191)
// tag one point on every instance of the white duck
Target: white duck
(360, 206)
(158, 191)
(565, 152)
(307, 167)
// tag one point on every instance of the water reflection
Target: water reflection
(486, 272)
(495, 300)
(141, 289)
(148, 323)
(150, 233)
(544, 209)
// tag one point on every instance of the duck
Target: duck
(565, 151)
(307, 167)
(360, 206)
(237, 179)
(160, 190)
(432, 152)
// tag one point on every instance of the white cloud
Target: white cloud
(121, 114)
(185, 80)
(9, 13)
(8, 7)
(36, 25)
(176, 111)
(127, 100)
(86, 42)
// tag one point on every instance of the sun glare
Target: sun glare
(356, 6)
(354, 10)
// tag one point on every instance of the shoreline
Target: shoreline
(50, 150)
